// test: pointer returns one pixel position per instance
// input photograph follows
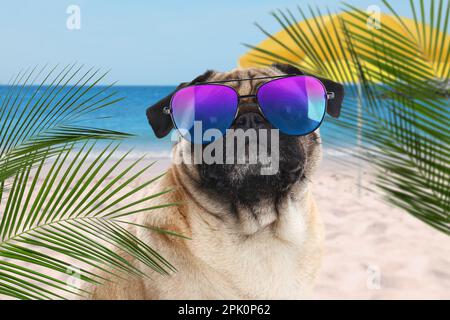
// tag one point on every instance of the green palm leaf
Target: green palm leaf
(41, 108)
(63, 200)
(412, 137)
(73, 220)
(400, 113)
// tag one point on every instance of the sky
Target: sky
(142, 42)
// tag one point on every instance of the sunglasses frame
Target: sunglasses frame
(329, 95)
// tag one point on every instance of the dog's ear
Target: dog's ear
(160, 121)
(334, 104)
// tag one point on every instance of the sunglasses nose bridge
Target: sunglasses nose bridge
(247, 98)
(248, 103)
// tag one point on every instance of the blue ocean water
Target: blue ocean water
(129, 116)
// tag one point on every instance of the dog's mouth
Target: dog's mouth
(248, 177)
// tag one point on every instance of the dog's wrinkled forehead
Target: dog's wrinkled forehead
(249, 86)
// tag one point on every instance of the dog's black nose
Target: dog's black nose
(250, 120)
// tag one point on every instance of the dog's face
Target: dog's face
(241, 183)
(245, 182)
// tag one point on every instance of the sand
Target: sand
(373, 250)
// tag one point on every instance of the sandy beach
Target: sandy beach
(373, 250)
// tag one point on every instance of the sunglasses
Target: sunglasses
(294, 104)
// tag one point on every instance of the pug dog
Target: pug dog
(250, 236)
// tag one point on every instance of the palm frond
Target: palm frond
(62, 201)
(40, 108)
(399, 116)
(72, 221)
(411, 136)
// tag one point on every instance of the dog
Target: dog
(250, 236)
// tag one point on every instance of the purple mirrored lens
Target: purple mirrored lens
(294, 105)
(214, 106)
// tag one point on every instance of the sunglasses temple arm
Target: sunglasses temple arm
(166, 110)
(330, 95)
